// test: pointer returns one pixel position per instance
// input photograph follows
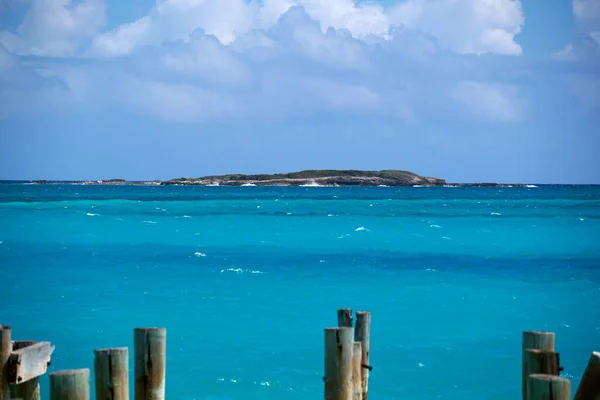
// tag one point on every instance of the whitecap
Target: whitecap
(257, 206)
(421, 365)
(187, 216)
(92, 215)
(531, 186)
(417, 185)
(496, 213)
(361, 228)
(248, 184)
(198, 254)
(241, 271)
(582, 219)
(330, 215)
(288, 213)
(382, 186)
(321, 261)
(445, 237)
(266, 383)
(150, 222)
(431, 270)
(434, 226)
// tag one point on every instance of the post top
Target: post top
(339, 328)
(548, 378)
(108, 349)
(4, 327)
(538, 333)
(539, 351)
(70, 372)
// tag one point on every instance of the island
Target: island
(329, 178)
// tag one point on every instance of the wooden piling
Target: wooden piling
(338, 363)
(150, 362)
(357, 371)
(70, 384)
(345, 317)
(548, 387)
(111, 370)
(362, 334)
(5, 349)
(29, 390)
(537, 341)
(541, 362)
(589, 387)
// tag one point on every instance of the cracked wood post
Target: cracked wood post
(5, 349)
(29, 390)
(344, 317)
(362, 334)
(357, 371)
(338, 363)
(70, 384)
(111, 369)
(537, 341)
(541, 362)
(589, 387)
(548, 387)
(150, 347)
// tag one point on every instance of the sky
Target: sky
(467, 90)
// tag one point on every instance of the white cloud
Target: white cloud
(56, 27)
(492, 102)
(466, 26)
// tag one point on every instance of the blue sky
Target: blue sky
(467, 90)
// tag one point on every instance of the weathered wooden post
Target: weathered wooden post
(537, 341)
(344, 317)
(28, 360)
(150, 352)
(548, 387)
(541, 362)
(70, 384)
(589, 387)
(338, 363)
(357, 371)
(111, 370)
(363, 335)
(5, 349)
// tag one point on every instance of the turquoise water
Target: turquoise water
(246, 279)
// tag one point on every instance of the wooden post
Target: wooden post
(548, 387)
(70, 385)
(150, 348)
(363, 335)
(541, 362)
(589, 387)
(338, 363)
(5, 349)
(537, 341)
(29, 390)
(357, 371)
(344, 317)
(111, 369)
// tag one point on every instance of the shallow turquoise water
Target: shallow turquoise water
(246, 279)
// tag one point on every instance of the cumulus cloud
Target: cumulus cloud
(493, 102)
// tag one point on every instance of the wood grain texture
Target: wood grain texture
(357, 371)
(362, 334)
(537, 341)
(29, 362)
(29, 390)
(150, 346)
(589, 387)
(548, 387)
(5, 349)
(70, 384)
(339, 345)
(345, 317)
(111, 371)
(541, 362)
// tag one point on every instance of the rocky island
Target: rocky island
(300, 178)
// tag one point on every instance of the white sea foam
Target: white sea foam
(434, 226)
(361, 228)
(289, 213)
(248, 184)
(187, 216)
(92, 215)
(198, 254)
(582, 219)
(312, 184)
(417, 185)
(257, 206)
(331, 215)
(150, 222)
(241, 271)
(496, 213)
(321, 261)
(445, 237)
(531, 186)
(421, 365)
(431, 270)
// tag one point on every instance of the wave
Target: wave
(199, 254)
(248, 184)
(434, 226)
(531, 186)
(241, 271)
(311, 184)
(360, 229)
(150, 222)
(92, 215)
(496, 213)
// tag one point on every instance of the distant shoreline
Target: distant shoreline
(307, 178)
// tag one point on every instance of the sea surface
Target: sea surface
(246, 279)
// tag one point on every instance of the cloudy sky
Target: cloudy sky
(467, 90)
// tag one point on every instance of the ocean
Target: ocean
(246, 279)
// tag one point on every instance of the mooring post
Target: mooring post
(589, 387)
(70, 384)
(541, 362)
(29, 390)
(548, 387)
(150, 353)
(537, 341)
(5, 349)
(111, 370)
(357, 371)
(362, 334)
(339, 345)
(344, 317)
